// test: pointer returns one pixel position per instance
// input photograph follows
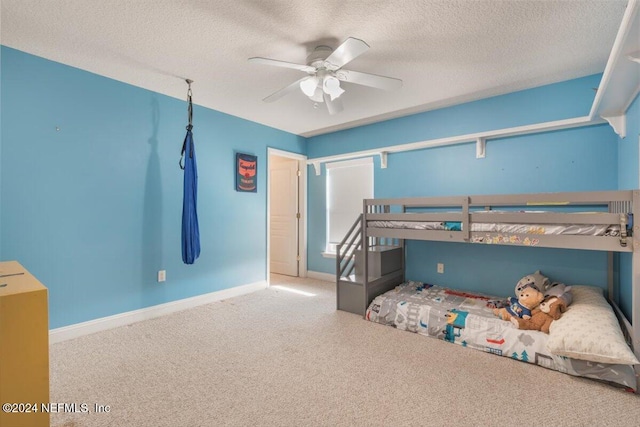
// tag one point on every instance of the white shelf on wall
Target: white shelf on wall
(620, 82)
(479, 138)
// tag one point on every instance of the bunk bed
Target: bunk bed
(601, 221)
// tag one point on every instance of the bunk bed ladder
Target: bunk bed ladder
(366, 266)
(346, 250)
(348, 291)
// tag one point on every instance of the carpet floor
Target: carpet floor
(284, 356)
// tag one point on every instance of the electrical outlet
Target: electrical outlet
(162, 275)
(440, 268)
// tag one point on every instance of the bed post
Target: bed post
(466, 219)
(613, 287)
(404, 251)
(635, 278)
(365, 255)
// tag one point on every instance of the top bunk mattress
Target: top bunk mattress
(498, 227)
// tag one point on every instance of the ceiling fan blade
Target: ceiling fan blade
(371, 80)
(346, 52)
(283, 64)
(285, 90)
(334, 106)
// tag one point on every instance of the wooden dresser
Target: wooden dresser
(24, 347)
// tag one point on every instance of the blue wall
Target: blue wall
(628, 180)
(628, 149)
(94, 210)
(581, 159)
(546, 103)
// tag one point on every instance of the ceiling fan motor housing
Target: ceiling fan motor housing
(318, 56)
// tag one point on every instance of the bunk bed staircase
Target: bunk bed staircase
(385, 265)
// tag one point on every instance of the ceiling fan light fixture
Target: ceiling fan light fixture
(317, 97)
(309, 85)
(331, 86)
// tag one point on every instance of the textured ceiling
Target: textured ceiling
(446, 52)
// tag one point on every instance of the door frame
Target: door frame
(302, 207)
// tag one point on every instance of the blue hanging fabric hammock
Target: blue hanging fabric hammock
(190, 229)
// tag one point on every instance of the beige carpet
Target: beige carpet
(277, 358)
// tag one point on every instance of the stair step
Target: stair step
(382, 260)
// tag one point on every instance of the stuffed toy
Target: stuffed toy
(497, 303)
(561, 291)
(541, 317)
(536, 280)
(522, 306)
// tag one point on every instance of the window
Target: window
(348, 182)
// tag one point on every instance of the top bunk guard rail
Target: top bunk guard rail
(557, 199)
(444, 216)
(410, 202)
(533, 199)
(597, 208)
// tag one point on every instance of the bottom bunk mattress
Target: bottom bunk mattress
(467, 319)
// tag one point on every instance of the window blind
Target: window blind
(348, 183)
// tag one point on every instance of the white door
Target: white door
(283, 179)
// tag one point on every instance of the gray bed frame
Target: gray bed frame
(374, 276)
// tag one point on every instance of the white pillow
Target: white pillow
(589, 330)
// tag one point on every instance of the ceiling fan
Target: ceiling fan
(325, 72)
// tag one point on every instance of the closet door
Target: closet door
(284, 216)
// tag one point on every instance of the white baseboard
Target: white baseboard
(321, 276)
(85, 328)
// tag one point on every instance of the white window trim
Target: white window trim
(349, 163)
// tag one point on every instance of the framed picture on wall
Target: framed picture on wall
(246, 173)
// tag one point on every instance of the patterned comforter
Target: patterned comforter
(467, 319)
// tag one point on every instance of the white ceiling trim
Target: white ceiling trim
(620, 82)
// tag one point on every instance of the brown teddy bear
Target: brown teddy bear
(549, 310)
(521, 307)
